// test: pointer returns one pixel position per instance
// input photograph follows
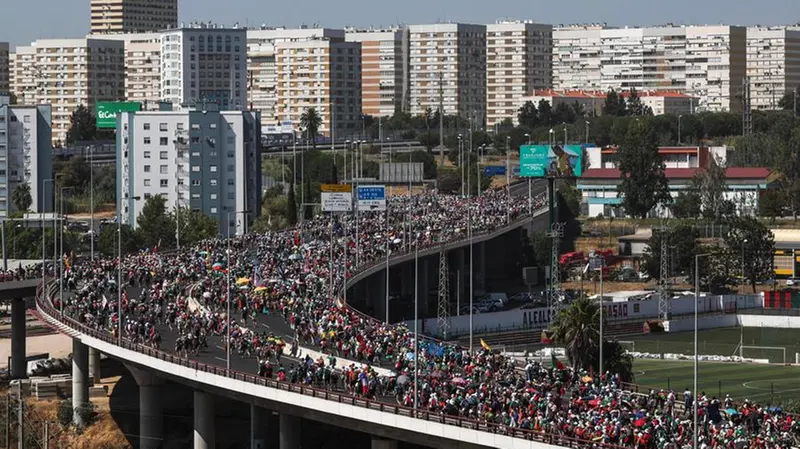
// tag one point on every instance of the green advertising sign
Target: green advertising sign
(560, 161)
(107, 112)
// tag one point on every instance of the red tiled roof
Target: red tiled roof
(656, 93)
(569, 93)
(683, 173)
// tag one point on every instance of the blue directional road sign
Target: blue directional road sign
(494, 170)
(371, 197)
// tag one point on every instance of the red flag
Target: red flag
(556, 363)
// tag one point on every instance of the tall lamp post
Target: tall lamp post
(696, 367)
(743, 276)
(41, 215)
(228, 296)
(61, 251)
(679, 128)
(119, 271)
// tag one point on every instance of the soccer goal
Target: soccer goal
(775, 354)
(629, 345)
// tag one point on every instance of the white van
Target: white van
(499, 296)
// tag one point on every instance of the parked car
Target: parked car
(793, 282)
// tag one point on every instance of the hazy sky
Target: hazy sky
(27, 20)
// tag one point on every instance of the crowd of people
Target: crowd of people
(298, 274)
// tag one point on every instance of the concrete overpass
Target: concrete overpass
(382, 418)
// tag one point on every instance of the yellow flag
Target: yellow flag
(485, 345)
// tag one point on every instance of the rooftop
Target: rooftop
(759, 173)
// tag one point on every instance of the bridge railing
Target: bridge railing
(49, 313)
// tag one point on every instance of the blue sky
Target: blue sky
(24, 21)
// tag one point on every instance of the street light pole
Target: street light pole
(741, 291)
(91, 199)
(61, 252)
(695, 369)
(416, 322)
(228, 295)
(41, 216)
(679, 128)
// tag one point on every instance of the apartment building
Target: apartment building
(447, 61)
(384, 70)
(199, 158)
(142, 67)
(519, 60)
(5, 63)
(262, 91)
(706, 62)
(204, 63)
(66, 73)
(324, 74)
(133, 16)
(25, 154)
(773, 64)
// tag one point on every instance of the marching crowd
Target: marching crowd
(297, 274)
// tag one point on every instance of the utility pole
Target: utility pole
(443, 316)
(441, 117)
(20, 418)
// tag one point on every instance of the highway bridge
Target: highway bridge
(382, 418)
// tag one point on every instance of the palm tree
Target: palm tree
(311, 121)
(21, 197)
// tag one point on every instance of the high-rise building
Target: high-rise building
(384, 70)
(204, 63)
(324, 74)
(67, 73)
(4, 68)
(707, 62)
(25, 154)
(199, 158)
(773, 64)
(447, 64)
(133, 16)
(262, 92)
(519, 59)
(142, 67)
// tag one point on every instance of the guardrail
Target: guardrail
(49, 314)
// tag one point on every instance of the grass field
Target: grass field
(766, 384)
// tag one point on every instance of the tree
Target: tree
(527, 115)
(788, 101)
(563, 113)
(577, 328)
(310, 120)
(712, 187)
(754, 245)
(644, 184)
(635, 106)
(682, 246)
(21, 197)
(614, 104)
(545, 113)
(291, 206)
(82, 125)
(12, 98)
(108, 240)
(154, 227)
(572, 197)
(771, 204)
(194, 226)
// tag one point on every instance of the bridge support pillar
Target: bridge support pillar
(377, 291)
(151, 418)
(480, 266)
(383, 443)
(289, 432)
(94, 366)
(407, 279)
(19, 369)
(422, 287)
(80, 381)
(204, 432)
(259, 427)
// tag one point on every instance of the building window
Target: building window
(147, 155)
(163, 169)
(147, 183)
(213, 169)
(195, 139)
(165, 183)
(230, 168)
(212, 182)
(26, 119)
(147, 169)
(163, 141)
(213, 196)
(147, 141)
(196, 168)
(162, 127)
(195, 196)
(195, 183)
(147, 196)
(146, 126)
(162, 155)
(213, 210)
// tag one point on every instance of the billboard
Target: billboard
(336, 197)
(107, 112)
(371, 197)
(561, 161)
(402, 172)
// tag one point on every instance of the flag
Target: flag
(257, 280)
(339, 303)
(105, 301)
(556, 363)
(485, 345)
(547, 337)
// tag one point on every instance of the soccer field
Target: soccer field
(762, 383)
(765, 384)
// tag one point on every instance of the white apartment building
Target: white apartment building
(706, 62)
(204, 63)
(142, 67)
(133, 16)
(66, 73)
(199, 158)
(26, 156)
(5, 63)
(716, 66)
(447, 61)
(519, 60)
(384, 70)
(262, 92)
(773, 64)
(320, 73)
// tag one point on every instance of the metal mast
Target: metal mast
(747, 113)
(443, 316)
(555, 234)
(663, 277)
